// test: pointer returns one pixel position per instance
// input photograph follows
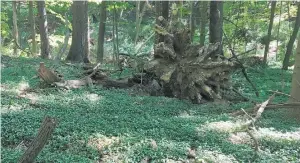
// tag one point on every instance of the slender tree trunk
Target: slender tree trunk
(101, 33)
(15, 28)
(165, 9)
(203, 21)
(192, 21)
(43, 29)
(86, 58)
(273, 6)
(32, 28)
(115, 28)
(157, 14)
(216, 23)
(278, 31)
(78, 50)
(139, 17)
(289, 48)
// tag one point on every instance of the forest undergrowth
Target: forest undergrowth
(114, 125)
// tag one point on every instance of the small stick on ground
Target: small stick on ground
(246, 126)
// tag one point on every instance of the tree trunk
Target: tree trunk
(192, 21)
(273, 6)
(101, 33)
(203, 21)
(165, 10)
(289, 48)
(140, 11)
(39, 141)
(216, 24)
(15, 28)
(295, 91)
(157, 14)
(32, 28)
(86, 58)
(43, 29)
(78, 51)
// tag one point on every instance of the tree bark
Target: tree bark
(78, 52)
(15, 28)
(273, 6)
(43, 29)
(289, 48)
(101, 33)
(157, 14)
(165, 10)
(192, 21)
(216, 24)
(203, 21)
(39, 141)
(32, 28)
(295, 91)
(86, 58)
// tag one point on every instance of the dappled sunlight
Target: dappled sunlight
(203, 155)
(244, 138)
(221, 126)
(11, 108)
(93, 97)
(101, 141)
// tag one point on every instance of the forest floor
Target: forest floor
(113, 125)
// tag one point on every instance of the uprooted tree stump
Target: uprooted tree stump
(189, 71)
(45, 132)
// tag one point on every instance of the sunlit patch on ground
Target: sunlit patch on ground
(243, 137)
(93, 97)
(11, 108)
(101, 141)
(221, 126)
(213, 156)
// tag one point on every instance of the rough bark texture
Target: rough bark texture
(40, 140)
(289, 48)
(165, 9)
(203, 21)
(192, 20)
(43, 29)
(295, 91)
(100, 49)
(47, 75)
(32, 28)
(15, 28)
(157, 14)
(77, 51)
(216, 24)
(187, 71)
(273, 6)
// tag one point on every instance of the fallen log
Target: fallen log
(44, 133)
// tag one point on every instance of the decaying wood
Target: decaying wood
(47, 75)
(44, 133)
(188, 71)
(246, 127)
